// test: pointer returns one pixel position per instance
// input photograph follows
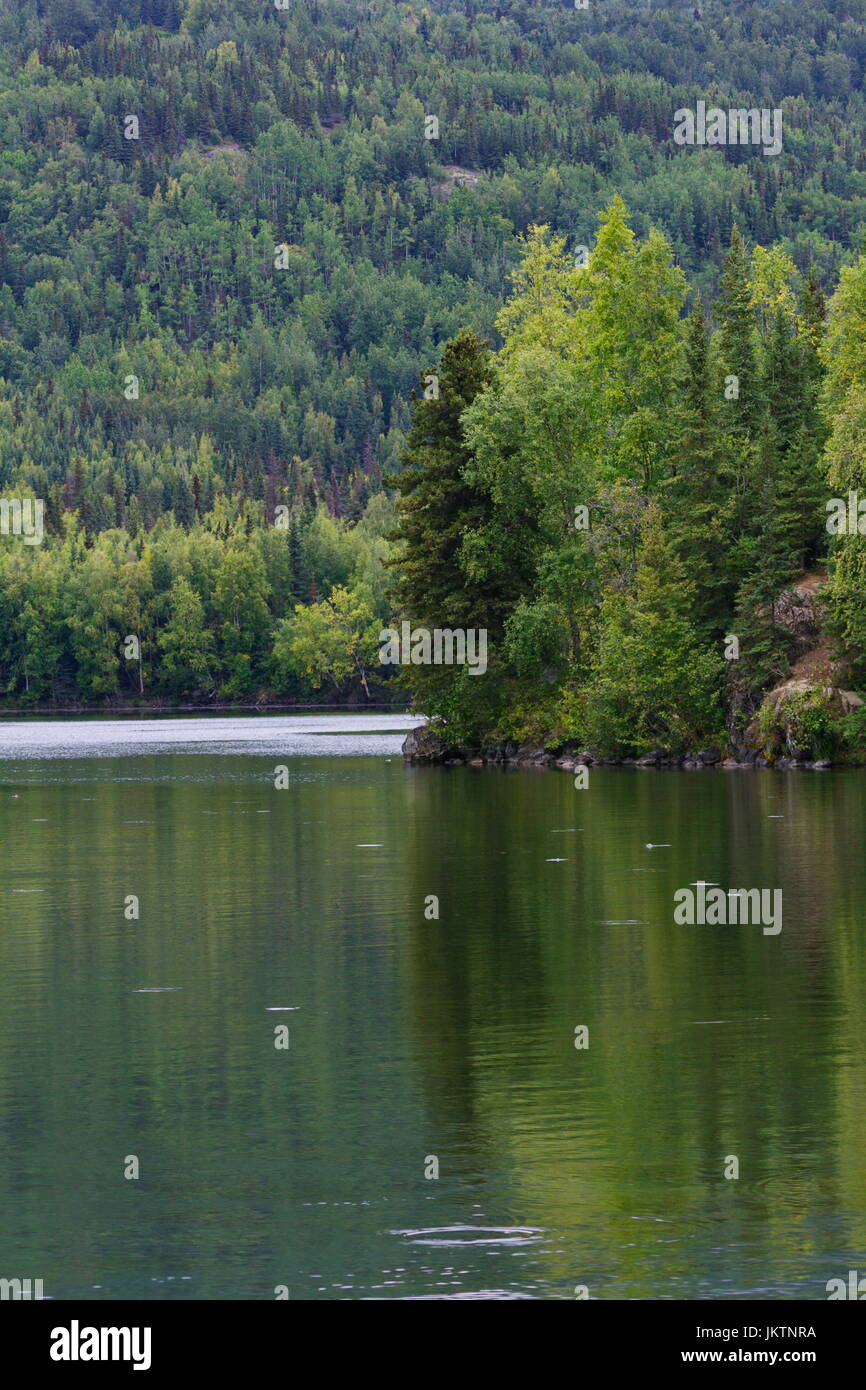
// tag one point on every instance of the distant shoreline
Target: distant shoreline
(119, 711)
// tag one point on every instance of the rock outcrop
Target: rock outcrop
(794, 718)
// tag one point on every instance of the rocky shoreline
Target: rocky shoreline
(422, 746)
(761, 733)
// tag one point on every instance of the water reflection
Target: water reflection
(412, 1038)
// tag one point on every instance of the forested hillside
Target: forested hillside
(228, 252)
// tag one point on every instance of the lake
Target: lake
(306, 1158)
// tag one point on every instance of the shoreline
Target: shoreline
(420, 750)
(118, 711)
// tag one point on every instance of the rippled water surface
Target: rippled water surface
(415, 1042)
(267, 734)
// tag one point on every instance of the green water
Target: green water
(412, 1039)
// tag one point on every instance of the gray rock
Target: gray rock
(708, 755)
(423, 745)
(532, 753)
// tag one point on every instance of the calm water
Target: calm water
(412, 1038)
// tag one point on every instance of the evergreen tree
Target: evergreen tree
(791, 382)
(300, 573)
(767, 564)
(846, 601)
(436, 507)
(742, 395)
(696, 502)
(784, 383)
(654, 683)
(801, 494)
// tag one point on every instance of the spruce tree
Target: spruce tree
(814, 310)
(736, 345)
(300, 573)
(767, 566)
(791, 381)
(695, 496)
(435, 504)
(742, 407)
(784, 383)
(800, 502)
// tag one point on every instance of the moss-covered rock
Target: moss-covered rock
(799, 719)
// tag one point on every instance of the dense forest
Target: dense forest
(625, 496)
(233, 243)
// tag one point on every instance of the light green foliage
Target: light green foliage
(801, 724)
(654, 684)
(331, 642)
(203, 604)
(625, 518)
(186, 644)
(844, 354)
